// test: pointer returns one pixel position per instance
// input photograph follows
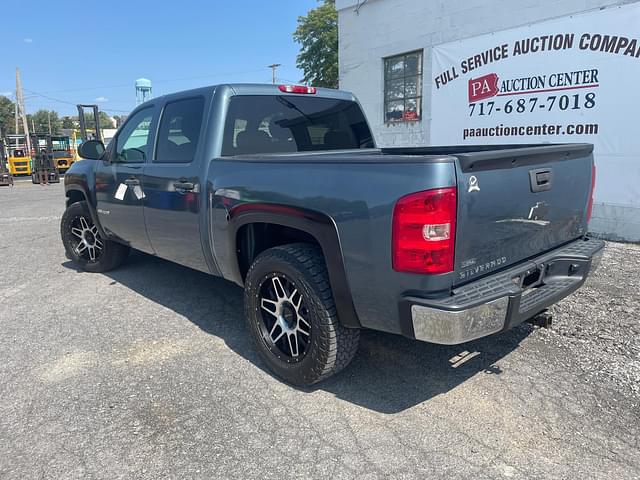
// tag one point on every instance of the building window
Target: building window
(403, 87)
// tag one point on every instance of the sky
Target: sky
(71, 51)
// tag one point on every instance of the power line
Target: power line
(197, 77)
(168, 80)
(122, 85)
(274, 67)
(48, 97)
(71, 103)
(207, 76)
(294, 82)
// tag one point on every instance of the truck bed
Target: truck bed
(501, 220)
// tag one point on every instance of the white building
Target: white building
(413, 64)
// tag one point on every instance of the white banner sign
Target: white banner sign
(574, 79)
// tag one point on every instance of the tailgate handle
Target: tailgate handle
(183, 186)
(540, 179)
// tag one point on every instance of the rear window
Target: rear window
(292, 123)
(179, 131)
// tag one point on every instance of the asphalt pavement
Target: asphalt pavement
(148, 372)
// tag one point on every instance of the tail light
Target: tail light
(593, 187)
(424, 227)
(297, 89)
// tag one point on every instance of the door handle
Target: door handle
(132, 181)
(183, 186)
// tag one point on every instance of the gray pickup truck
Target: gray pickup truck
(281, 190)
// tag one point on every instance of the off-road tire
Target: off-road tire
(112, 254)
(331, 346)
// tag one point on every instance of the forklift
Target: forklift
(62, 154)
(5, 174)
(42, 159)
(18, 153)
(84, 134)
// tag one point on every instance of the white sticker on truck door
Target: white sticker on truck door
(137, 191)
(121, 191)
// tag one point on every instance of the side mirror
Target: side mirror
(91, 149)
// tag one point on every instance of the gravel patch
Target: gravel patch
(599, 325)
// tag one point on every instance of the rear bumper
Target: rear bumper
(506, 299)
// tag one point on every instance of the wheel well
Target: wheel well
(254, 238)
(74, 196)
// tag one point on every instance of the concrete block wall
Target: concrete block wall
(382, 28)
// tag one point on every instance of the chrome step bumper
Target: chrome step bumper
(501, 301)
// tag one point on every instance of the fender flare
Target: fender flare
(316, 224)
(87, 198)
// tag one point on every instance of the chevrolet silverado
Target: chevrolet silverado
(281, 190)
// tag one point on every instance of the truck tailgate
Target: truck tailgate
(516, 204)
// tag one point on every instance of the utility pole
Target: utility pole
(49, 120)
(22, 111)
(273, 68)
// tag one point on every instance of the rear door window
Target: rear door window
(179, 131)
(292, 123)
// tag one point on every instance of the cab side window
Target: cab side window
(133, 141)
(179, 131)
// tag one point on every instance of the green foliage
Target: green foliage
(68, 122)
(317, 34)
(40, 121)
(105, 120)
(7, 115)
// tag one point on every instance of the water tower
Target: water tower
(143, 90)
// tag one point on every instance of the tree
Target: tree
(317, 34)
(40, 121)
(68, 122)
(105, 120)
(7, 115)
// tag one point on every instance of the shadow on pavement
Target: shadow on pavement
(388, 375)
